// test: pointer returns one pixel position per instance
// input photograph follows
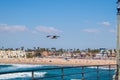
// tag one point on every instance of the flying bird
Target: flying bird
(52, 36)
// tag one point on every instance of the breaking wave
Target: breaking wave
(13, 67)
(21, 75)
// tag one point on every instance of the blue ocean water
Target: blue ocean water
(90, 72)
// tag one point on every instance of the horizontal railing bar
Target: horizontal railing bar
(6, 72)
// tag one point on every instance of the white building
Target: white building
(12, 54)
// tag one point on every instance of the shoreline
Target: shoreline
(57, 61)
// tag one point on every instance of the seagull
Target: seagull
(52, 36)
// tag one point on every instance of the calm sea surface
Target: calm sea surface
(46, 73)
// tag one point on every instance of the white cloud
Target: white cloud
(34, 32)
(47, 29)
(106, 23)
(11, 28)
(112, 30)
(90, 30)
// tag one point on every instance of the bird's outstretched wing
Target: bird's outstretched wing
(52, 36)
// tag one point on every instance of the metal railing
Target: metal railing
(70, 72)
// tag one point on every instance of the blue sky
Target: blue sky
(79, 23)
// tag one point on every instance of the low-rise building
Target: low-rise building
(12, 54)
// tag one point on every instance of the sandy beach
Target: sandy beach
(57, 61)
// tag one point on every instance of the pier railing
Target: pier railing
(108, 72)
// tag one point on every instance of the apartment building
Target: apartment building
(12, 54)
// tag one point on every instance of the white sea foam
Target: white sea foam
(26, 65)
(23, 65)
(22, 75)
(19, 66)
(16, 66)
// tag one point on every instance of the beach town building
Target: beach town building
(30, 52)
(106, 54)
(111, 53)
(12, 54)
(67, 54)
(38, 53)
(46, 53)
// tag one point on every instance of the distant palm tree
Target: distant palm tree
(53, 49)
(78, 51)
(2, 47)
(34, 48)
(22, 48)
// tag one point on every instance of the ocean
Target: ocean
(90, 72)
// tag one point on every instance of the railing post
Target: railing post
(109, 72)
(117, 73)
(97, 72)
(32, 75)
(82, 72)
(62, 75)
